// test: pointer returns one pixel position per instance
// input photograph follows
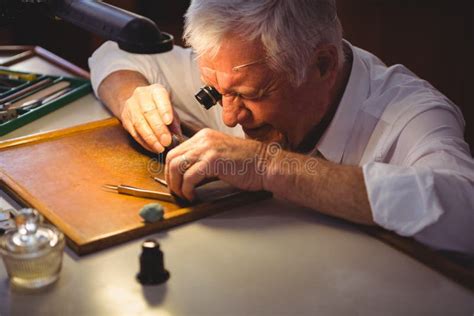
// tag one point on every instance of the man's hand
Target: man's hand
(145, 110)
(148, 116)
(212, 154)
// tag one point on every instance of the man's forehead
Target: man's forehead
(234, 51)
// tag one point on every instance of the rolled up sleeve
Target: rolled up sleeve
(108, 58)
(430, 194)
(402, 199)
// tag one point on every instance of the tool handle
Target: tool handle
(138, 192)
(18, 75)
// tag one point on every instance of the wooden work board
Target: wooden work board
(61, 174)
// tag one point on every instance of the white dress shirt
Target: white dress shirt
(406, 136)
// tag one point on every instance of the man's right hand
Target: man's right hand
(145, 110)
(149, 117)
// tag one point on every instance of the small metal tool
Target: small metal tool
(25, 91)
(177, 140)
(164, 183)
(29, 105)
(43, 93)
(160, 181)
(139, 192)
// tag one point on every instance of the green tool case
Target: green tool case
(77, 88)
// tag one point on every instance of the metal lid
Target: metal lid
(31, 236)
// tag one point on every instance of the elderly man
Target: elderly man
(356, 139)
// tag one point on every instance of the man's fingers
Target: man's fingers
(162, 100)
(192, 177)
(128, 125)
(146, 133)
(149, 110)
(143, 98)
(142, 142)
(176, 168)
(179, 150)
(174, 176)
(158, 127)
(175, 126)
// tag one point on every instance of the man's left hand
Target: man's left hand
(212, 154)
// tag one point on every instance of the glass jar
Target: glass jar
(32, 252)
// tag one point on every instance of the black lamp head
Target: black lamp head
(132, 32)
(142, 36)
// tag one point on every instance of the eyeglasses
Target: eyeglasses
(208, 96)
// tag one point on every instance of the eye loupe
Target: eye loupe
(208, 97)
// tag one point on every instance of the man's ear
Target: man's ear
(326, 61)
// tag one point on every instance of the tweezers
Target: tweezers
(138, 192)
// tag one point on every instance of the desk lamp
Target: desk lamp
(133, 33)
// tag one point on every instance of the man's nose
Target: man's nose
(234, 111)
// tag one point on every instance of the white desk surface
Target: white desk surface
(269, 258)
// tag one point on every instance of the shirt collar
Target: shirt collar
(334, 140)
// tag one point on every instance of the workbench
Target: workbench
(267, 258)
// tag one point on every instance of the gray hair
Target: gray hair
(290, 30)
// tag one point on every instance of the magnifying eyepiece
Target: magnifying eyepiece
(208, 97)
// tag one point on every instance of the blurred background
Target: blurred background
(433, 38)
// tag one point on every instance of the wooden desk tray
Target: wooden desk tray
(61, 174)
